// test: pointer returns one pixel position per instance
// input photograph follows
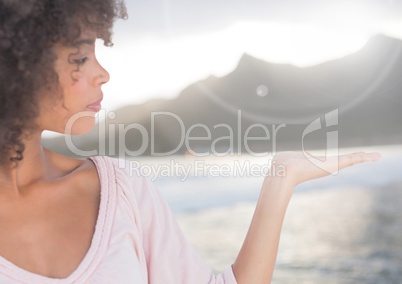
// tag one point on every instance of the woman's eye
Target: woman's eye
(81, 60)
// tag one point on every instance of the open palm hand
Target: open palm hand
(300, 167)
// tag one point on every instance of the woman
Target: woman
(65, 220)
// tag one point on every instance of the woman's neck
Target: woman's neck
(15, 179)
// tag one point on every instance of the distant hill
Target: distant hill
(365, 86)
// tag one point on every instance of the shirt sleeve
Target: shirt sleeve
(169, 256)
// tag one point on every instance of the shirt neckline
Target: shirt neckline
(99, 240)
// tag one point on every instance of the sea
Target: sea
(344, 228)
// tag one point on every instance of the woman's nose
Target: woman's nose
(102, 77)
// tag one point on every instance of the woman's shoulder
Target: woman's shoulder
(133, 188)
(124, 172)
(120, 167)
(64, 165)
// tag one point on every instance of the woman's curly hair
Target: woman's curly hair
(29, 29)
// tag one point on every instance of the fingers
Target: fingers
(357, 158)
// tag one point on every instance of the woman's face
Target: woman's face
(81, 78)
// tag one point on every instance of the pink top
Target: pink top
(136, 240)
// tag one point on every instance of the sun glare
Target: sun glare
(298, 45)
(156, 68)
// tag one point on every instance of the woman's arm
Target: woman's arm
(256, 260)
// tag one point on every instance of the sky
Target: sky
(165, 45)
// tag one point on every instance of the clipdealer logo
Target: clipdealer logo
(331, 120)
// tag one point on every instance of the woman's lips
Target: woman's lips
(96, 106)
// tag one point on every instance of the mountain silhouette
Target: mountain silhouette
(364, 87)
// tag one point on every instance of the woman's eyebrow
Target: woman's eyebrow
(83, 41)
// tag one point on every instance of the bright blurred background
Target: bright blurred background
(166, 45)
